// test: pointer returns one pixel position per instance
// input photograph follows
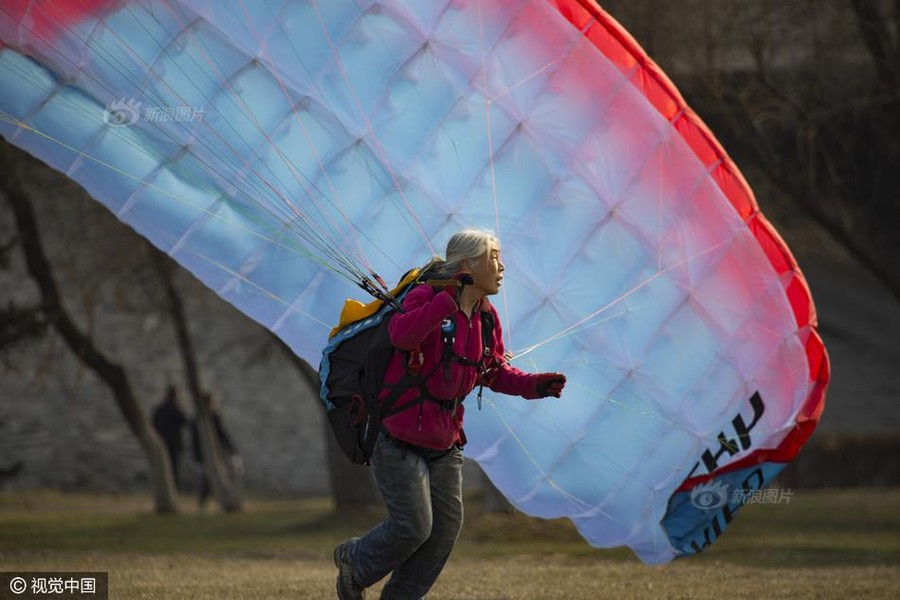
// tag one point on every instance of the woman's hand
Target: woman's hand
(550, 384)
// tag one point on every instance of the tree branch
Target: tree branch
(787, 180)
(111, 373)
(874, 29)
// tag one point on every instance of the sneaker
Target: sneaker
(347, 588)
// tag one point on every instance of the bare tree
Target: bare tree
(879, 26)
(52, 311)
(224, 486)
(807, 93)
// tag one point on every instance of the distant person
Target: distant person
(169, 420)
(229, 451)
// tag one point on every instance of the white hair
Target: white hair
(466, 245)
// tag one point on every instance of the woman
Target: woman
(447, 342)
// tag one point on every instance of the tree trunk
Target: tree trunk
(352, 486)
(224, 487)
(875, 28)
(112, 374)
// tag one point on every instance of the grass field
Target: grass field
(823, 544)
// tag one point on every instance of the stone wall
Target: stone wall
(60, 426)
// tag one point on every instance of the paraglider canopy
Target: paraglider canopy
(287, 154)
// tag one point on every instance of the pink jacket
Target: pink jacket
(427, 423)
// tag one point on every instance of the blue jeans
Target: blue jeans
(423, 496)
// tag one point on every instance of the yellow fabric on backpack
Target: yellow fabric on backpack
(354, 310)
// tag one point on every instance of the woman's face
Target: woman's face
(488, 271)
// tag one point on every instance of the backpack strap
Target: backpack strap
(409, 380)
(487, 341)
(448, 331)
(487, 333)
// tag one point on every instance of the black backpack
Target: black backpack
(355, 361)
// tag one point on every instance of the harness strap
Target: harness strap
(413, 378)
(487, 338)
(409, 381)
